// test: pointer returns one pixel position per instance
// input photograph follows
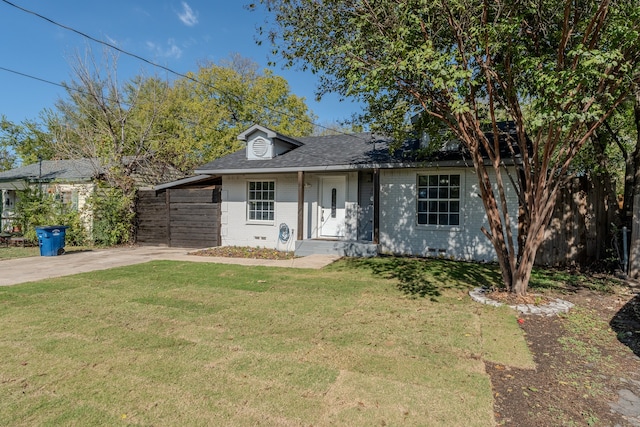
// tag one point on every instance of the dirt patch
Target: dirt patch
(585, 362)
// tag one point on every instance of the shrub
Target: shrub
(35, 208)
(113, 216)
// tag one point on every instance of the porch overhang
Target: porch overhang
(14, 185)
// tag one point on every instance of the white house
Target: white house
(71, 181)
(351, 195)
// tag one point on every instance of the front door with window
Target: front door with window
(332, 207)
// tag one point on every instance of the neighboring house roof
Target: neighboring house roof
(81, 170)
(146, 173)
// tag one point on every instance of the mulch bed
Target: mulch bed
(244, 252)
(578, 374)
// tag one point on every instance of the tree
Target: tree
(150, 123)
(557, 70)
(211, 107)
(111, 123)
(27, 142)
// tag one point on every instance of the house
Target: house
(71, 181)
(350, 195)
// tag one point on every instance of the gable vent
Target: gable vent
(260, 147)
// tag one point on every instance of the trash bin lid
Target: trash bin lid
(52, 227)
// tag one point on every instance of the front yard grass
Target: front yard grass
(175, 343)
(18, 252)
(32, 251)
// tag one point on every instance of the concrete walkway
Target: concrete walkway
(21, 270)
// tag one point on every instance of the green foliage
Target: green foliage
(206, 111)
(27, 141)
(36, 208)
(112, 217)
(181, 125)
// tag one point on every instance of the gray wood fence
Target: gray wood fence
(186, 218)
(580, 230)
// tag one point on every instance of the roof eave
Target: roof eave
(345, 167)
(183, 181)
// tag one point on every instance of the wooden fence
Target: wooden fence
(580, 230)
(187, 218)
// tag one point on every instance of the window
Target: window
(68, 198)
(261, 200)
(439, 199)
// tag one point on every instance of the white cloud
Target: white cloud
(171, 50)
(188, 16)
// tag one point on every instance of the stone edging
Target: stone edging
(554, 307)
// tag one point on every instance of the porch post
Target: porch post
(300, 234)
(376, 206)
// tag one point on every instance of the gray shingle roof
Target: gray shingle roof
(63, 170)
(334, 151)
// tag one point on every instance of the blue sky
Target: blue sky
(176, 34)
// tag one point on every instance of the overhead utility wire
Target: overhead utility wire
(153, 64)
(33, 77)
(40, 79)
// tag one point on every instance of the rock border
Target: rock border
(555, 307)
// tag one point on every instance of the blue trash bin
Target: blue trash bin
(51, 239)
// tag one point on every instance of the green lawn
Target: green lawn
(31, 251)
(18, 252)
(174, 343)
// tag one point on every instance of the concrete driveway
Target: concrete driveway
(21, 270)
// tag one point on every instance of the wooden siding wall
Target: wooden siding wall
(187, 218)
(575, 235)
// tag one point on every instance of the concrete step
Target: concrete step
(336, 247)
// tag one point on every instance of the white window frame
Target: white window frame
(258, 197)
(438, 200)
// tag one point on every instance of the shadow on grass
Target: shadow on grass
(428, 277)
(626, 325)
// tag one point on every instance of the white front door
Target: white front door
(332, 207)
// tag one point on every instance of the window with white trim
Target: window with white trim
(261, 196)
(439, 199)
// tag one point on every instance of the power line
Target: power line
(33, 77)
(153, 64)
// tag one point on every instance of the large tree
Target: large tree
(557, 70)
(210, 107)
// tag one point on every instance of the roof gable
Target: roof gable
(264, 144)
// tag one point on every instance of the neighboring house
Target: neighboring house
(350, 195)
(71, 181)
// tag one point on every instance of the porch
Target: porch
(335, 247)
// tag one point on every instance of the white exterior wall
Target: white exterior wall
(401, 234)
(236, 230)
(83, 191)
